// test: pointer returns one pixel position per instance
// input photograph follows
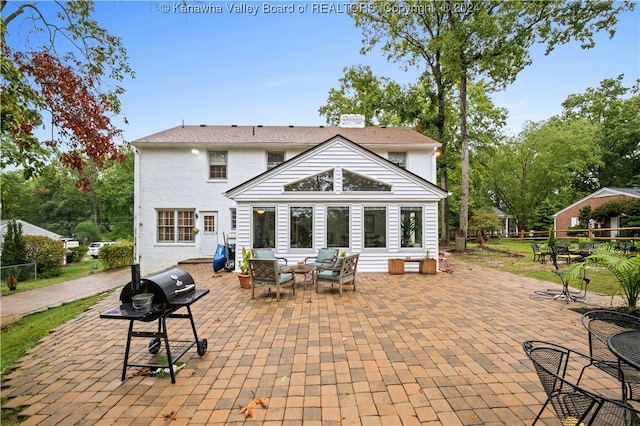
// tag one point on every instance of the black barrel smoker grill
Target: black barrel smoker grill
(172, 290)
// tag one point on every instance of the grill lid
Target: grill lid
(168, 286)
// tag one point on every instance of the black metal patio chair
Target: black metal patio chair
(602, 324)
(538, 253)
(573, 404)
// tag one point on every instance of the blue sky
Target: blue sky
(222, 67)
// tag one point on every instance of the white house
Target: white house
(295, 189)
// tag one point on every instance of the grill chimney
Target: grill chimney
(135, 278)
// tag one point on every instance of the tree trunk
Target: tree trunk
(461, 237)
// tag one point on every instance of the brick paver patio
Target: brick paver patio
(401, 350)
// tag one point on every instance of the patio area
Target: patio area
(402, 350)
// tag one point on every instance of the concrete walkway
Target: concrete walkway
(401, 350)
(15, 306)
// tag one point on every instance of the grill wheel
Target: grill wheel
(202, 347)
(154, 345)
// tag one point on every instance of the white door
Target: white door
(209, 226)
(615, 223)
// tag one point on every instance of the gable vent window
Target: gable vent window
(217, 164)
(355, 182)
(274, 159)
(399, 159)
(321, 182)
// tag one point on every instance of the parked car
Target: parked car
(94, 248)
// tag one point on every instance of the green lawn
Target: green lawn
(69, 272)
(517, 257)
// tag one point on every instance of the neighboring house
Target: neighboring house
(31, 229)
(569, 216)
(294, 189)
(509, 227)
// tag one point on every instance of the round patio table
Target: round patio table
(304, 270)
(626, 346)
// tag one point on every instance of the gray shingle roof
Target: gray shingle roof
(306, 135)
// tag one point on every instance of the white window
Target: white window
(233, 218)
(338, 226)
(217, 164)
(274, 158)
(176, 226)
(399, 159)
(575, 221)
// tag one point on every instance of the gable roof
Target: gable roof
(283, 135)
(434, 189)
(604, 192)
(29, 229)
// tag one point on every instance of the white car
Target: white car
(94, 248)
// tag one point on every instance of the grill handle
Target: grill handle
(187, 288)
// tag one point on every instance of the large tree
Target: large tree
(615, 117)
(56, 58)
(468, 40)
(526, 171)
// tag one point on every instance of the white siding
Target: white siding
(178, 178)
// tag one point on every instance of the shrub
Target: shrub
(47, 253)
(76, 254)
(118, 255)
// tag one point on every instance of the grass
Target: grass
(19, 337)
(517, 257)
(69, 272)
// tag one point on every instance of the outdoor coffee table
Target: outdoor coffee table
(304, 270)
(626, 346)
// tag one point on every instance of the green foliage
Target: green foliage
(76, 254)
(543, 216)
(118, 255)
(484, 220)
(19, 337)
(625, 269)
(536, 166)
(47, 253)
(14, 251)
(615, 208)
(613, 109)
(244, 261)
(77, 66)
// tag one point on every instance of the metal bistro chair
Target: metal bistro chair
(267, 272)
(561, 251)
(539, 254)
(601, 324)
(573, 404)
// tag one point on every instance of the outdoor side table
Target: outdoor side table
(304, 270)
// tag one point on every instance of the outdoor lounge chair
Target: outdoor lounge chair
(267, 253)
(573, 404)
(326, 258)
(601, 324)
(342, 273)
(267, 272)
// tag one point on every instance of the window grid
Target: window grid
(217, 165)
(209, 224)
(176, 223)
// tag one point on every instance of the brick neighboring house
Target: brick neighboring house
(568, 217)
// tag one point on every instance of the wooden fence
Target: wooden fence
(593, 234)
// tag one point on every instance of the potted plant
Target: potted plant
(428, 265)
(243, 276)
